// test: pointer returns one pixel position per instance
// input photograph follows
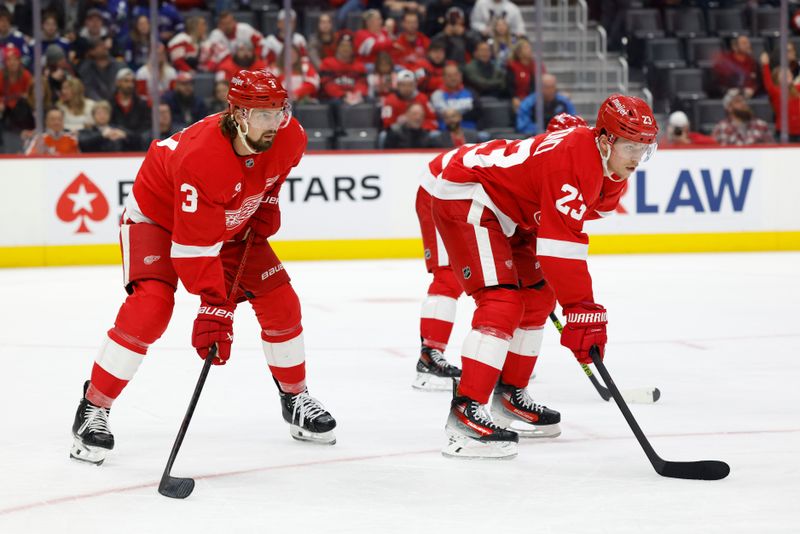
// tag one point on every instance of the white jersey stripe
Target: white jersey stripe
(527, 341)
(445, 190)
(439, 307)
(486, 349)
(604, 213)
(556, 248)
(189, 251)
(286, 353)
(117, 360)
(441, 252)
(125, 238)
(484, 245)
(133, 212)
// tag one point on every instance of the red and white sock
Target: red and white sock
(482, 358)
(286, 357)
(115, 364)
(522, 354)
(436, 322)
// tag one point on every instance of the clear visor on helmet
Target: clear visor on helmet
(269, 118)
(640, 152)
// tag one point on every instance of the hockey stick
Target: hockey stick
(700, 470)
(176, 487)
(636, 396)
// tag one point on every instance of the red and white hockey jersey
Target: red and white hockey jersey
(222, 45)
(184, 52)
(394, 106)
(547, 184)
(194, 185)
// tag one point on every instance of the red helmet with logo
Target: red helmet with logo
(257, 89)
(629, 117)
(562, 121)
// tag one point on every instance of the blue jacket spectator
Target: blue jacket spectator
(51, 36)
(9, 35)
(453, 95)
(554, 104)
(170, 21)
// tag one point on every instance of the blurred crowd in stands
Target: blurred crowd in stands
(362, 74)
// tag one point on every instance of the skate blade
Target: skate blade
(524, 429)
(429, 382)
(463, 447)
(301, 434)
(87, 454)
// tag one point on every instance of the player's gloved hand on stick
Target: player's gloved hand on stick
(586, 326)
(214, 324)
(264, 223)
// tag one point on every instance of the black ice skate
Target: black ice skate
(93, 438)
(308, 420)
(513, 408)
(471, 433)
(434, 373)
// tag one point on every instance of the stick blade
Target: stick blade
(641, 395)
(176, 488)
(702, 470)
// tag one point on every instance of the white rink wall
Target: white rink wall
(65, 210)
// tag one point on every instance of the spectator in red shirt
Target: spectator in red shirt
(322, 43)
(737, 68)
(14, 84)
(397, 102)
(188, 51)
(430, 71)
(373, 38)
(344, 77)
(522, 72)
(772, 84)
(304, 77)
(383, 79)
(680, 134)
(411, 45)
(244, 57)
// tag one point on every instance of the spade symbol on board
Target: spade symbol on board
(82, 199)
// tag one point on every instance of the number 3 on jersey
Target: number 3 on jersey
(571, 194)
(190, 202)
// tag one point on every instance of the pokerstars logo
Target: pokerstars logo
(82, 200)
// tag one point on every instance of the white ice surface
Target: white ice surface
(718, 334)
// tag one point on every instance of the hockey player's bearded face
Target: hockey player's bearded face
(262, 126)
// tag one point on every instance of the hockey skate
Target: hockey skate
(308, 420)
(512, 408)
(93, 438)
(434, 373)
(472, 434)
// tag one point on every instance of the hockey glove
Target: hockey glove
(265, 222)
(214, 324)
(586, 326)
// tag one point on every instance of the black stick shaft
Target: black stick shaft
(657, 461)
(187, 419)
(212, 353)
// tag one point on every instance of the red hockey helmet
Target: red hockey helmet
(257, 89)
(628, 117)
(562, 121)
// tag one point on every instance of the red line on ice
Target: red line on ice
(84, 496)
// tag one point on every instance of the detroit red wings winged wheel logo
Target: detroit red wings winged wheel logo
(82, 199)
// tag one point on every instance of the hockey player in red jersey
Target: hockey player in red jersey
(510, 215)
(439, 307)
(197, 197)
